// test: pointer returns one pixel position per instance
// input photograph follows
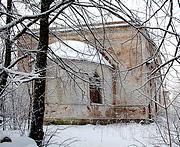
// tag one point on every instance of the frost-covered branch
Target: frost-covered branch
(62, 5)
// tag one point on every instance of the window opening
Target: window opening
(95, 89)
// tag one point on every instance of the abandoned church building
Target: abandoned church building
(102, 74)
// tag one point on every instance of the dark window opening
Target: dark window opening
(95, 89)
(150, 84)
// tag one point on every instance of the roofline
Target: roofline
(92, 26)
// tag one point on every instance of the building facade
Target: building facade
(124, 87)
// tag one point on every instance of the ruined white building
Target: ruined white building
(104, 79)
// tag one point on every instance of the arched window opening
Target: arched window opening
(95, 89)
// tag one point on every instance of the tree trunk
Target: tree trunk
(7, 62)
(36, 130)
(3, 76)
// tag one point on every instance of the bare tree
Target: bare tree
(7, 59)
(159, 19)
(36, 130)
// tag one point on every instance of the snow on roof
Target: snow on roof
(71, 49)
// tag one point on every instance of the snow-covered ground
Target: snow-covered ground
(115, 135)
(17, 141)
